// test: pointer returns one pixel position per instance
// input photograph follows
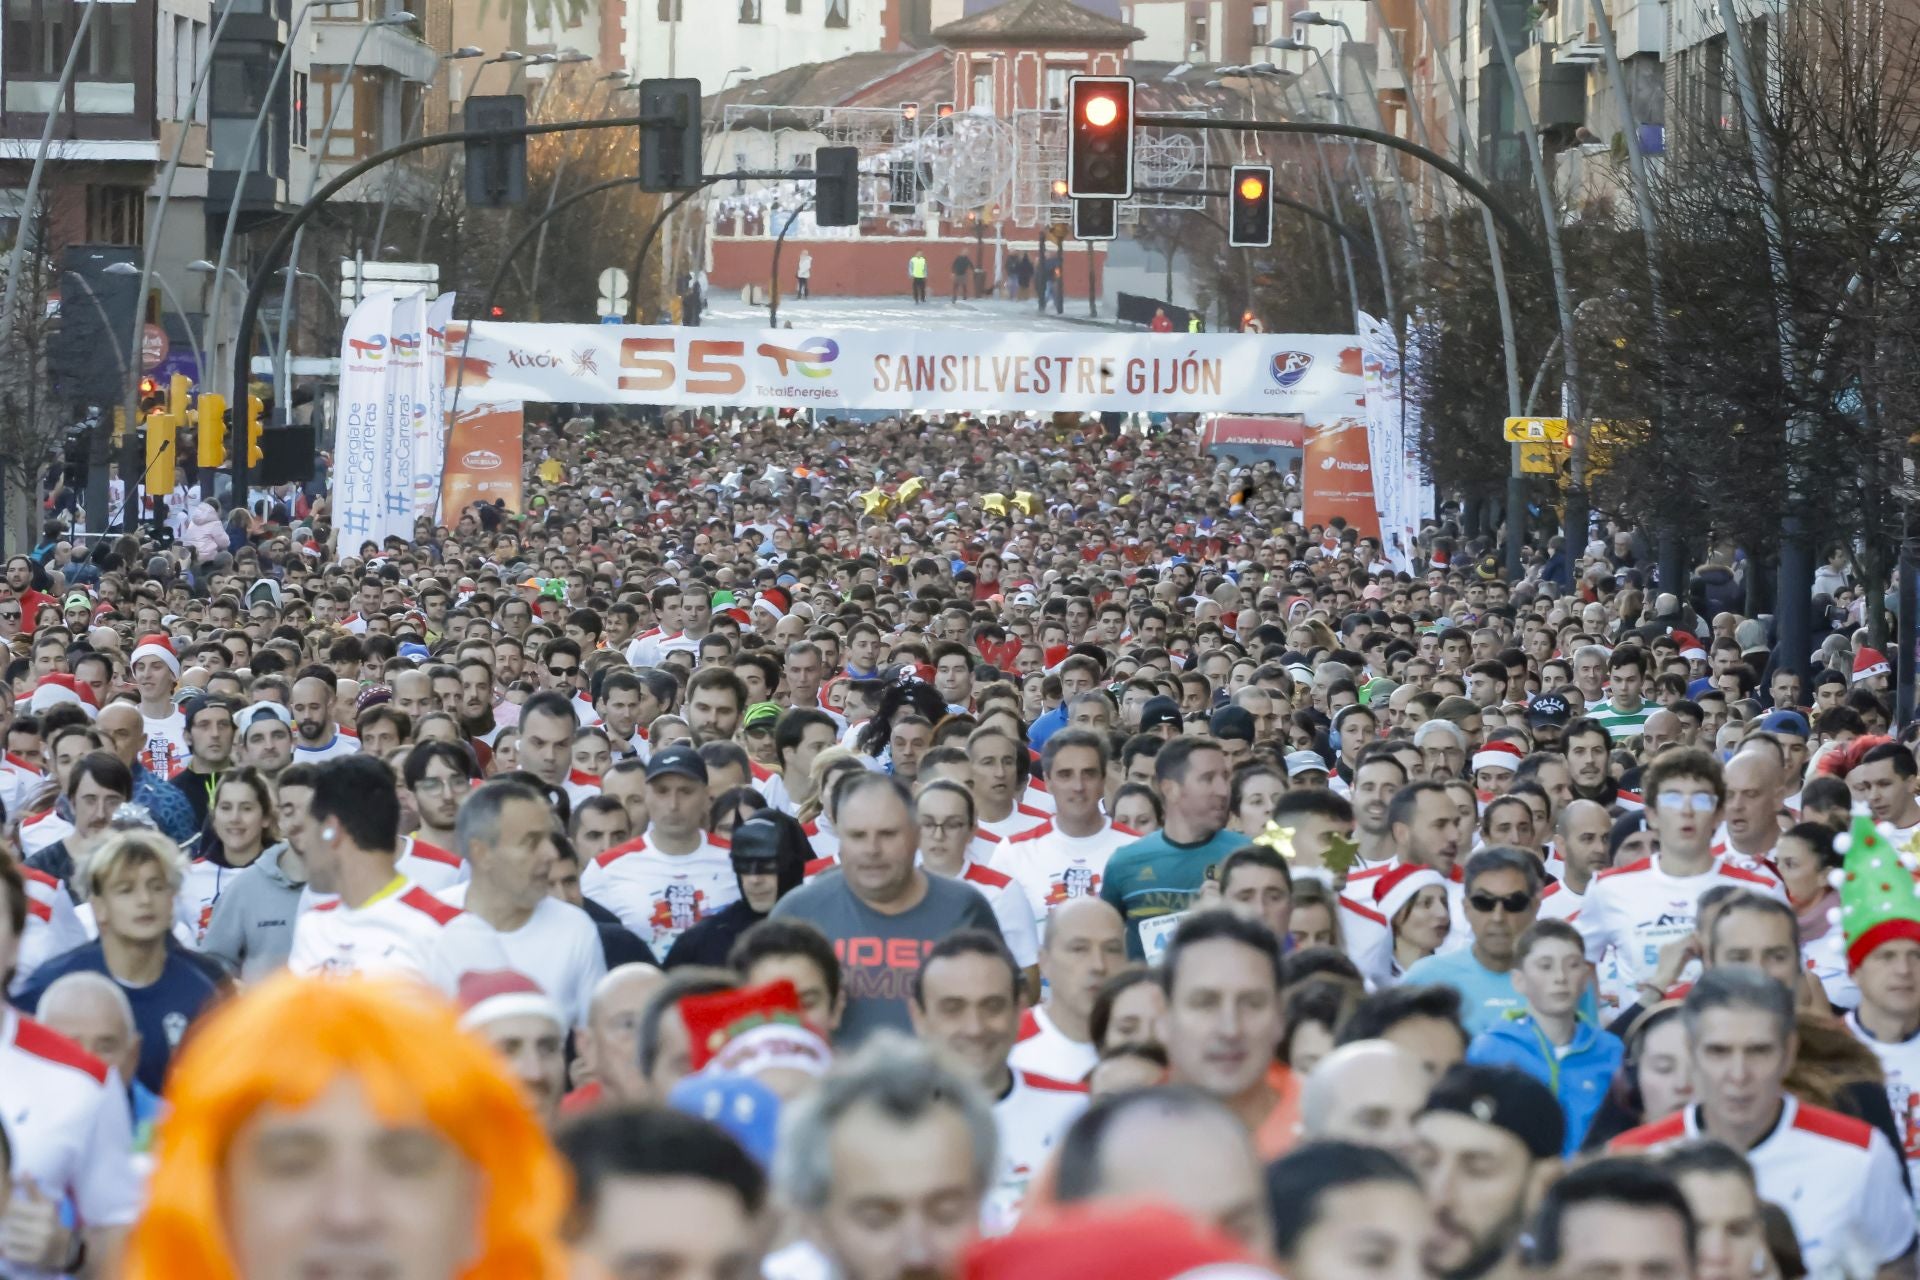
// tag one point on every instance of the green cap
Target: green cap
(762, 715)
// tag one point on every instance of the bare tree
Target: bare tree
(33, 418)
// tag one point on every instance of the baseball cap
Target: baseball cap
(1159, 711)
(762, 715)
(1505, 1098)
(1548, 708)
(679, 758)
(1230, 722)
(1786, 722)
(1299, 762)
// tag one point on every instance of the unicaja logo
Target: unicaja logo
(1328, 463)
(1289, 368)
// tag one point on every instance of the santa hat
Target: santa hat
(1869, 663)
(1877, 899)
(60, 688)
(1397, 887)
(1497, 755)
(500, 993)
(156, 647)
(1689, 646)
(754, 1029)
(775, 601)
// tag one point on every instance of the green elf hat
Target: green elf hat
(1877, 899)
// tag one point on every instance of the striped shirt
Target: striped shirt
(1622, 725)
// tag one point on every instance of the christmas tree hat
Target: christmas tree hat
(1877, 899)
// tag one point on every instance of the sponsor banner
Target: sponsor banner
(1250, 440)
(1337, 478)
(430, 440)
(382, 373)
(484, 458)
(1315, 376)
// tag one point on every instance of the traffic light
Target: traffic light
(212, 430)
(256, 408)
(836, 190)
(1096, 219)
(161, 452)
(177, 388)
(1251, 223)
(496, 167)
(1100, 137)
(670, 158)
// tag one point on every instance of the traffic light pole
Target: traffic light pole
(277, 251)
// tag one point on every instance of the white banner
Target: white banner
(1396, 480)
(1316, 376)
(382, 359)
(430, 439)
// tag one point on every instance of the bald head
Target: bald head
(610, 1042)
(1366, 1092)
(1082, 917)
(1581, 815)
(91, 1010)
(124, 730)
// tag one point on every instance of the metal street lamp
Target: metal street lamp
(464, 53)
(202, 266)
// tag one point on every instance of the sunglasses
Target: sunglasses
(9, 613)
(563, 671)
(1699, 802)
(1511, 903)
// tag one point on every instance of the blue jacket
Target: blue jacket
(1579, 1077)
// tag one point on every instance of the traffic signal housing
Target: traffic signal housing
(162, 451)
(836, 188)
(212, 438)
(1096, 219)
(256, 410)
(496, 167)
(1100, 137)
(670, 158)
(1250, 225)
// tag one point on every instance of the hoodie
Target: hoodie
(205, 534)
(252, 927)
(1579, 1075)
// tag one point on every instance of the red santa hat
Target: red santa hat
(1497, 755)
(1689, 646)
(1868, 663)
(1396, 888)
(61, 688)
(775, 601)
(156, 646)
(500, 993)
(754, 1029)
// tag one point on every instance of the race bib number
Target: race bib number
(1156, 935)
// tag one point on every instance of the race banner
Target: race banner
(1394, 486)
(1315, 376)
(430, 438)
(381, 359)
(484, 459)
(1337, 478)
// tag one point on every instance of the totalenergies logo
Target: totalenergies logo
(810, 359)
(1289, 368)
(406, 343)
(372, 349)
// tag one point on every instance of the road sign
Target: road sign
(153, 347)
(1536, 460)
(1524, 430)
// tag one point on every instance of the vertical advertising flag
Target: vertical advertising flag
(406, 413)
(1337, 478)
(359, 455)
(430, 442)
(484, 458)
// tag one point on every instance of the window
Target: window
(1057, 78)
(40, 32)
(1197, 35)
(793, 6)
(116, 215)
(1261, 25)
(982, 86)
(837, 13)
(668, 10)
(301, 88)
(749, 10)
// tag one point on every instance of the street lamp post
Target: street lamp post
(290, 296)
(96, 487)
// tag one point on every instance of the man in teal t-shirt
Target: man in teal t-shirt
(1154, 880)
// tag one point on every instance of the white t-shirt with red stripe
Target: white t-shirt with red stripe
(71, 1128)
(1022, 819)
(1010, 911)
(430, 866)
(1052, 867)
(1045, 1049)
(1633, 911)
(660, 896)
(43, 829)
(52, 927)
(1033, 1116)
(401, 929)
(1836, 1178)
(19, 778)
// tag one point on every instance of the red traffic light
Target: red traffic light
(498, 313)
(1100, 110)
(1252, 187)
(148, 386)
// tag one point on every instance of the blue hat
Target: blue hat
(418, 652)
(745, 1108)
(1786, 722)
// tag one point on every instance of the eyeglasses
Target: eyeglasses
(1512, 903)
(952, 826)
(563, 671)
(1698, 801)
(9, 613)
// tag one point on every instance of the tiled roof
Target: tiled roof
(1038, 22)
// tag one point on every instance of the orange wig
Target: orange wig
(284, 1044)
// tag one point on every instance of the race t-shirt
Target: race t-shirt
(1031, 1118)
(1901, 1063)
(52, 927)
(1633, 911)
(1052, 867)
(339, 745)
(401, 929)
(429, 865)
(1022, 819)
(659, 896)
(165, 752)
(1045, 1049)
(558, 947)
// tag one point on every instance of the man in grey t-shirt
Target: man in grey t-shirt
(880, 910)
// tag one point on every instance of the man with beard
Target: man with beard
(266, 738)
(209, 723)
(716, 699)
(476, 699)
(318, 737)
(1487, 1146)
(1589, 750)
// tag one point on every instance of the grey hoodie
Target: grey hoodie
(252, 927)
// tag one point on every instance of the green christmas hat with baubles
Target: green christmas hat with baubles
(1877, 899)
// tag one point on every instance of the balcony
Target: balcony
(392, 48)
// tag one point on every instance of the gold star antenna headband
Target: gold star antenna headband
(1342, 851)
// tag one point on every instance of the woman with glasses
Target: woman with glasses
(952, 845)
